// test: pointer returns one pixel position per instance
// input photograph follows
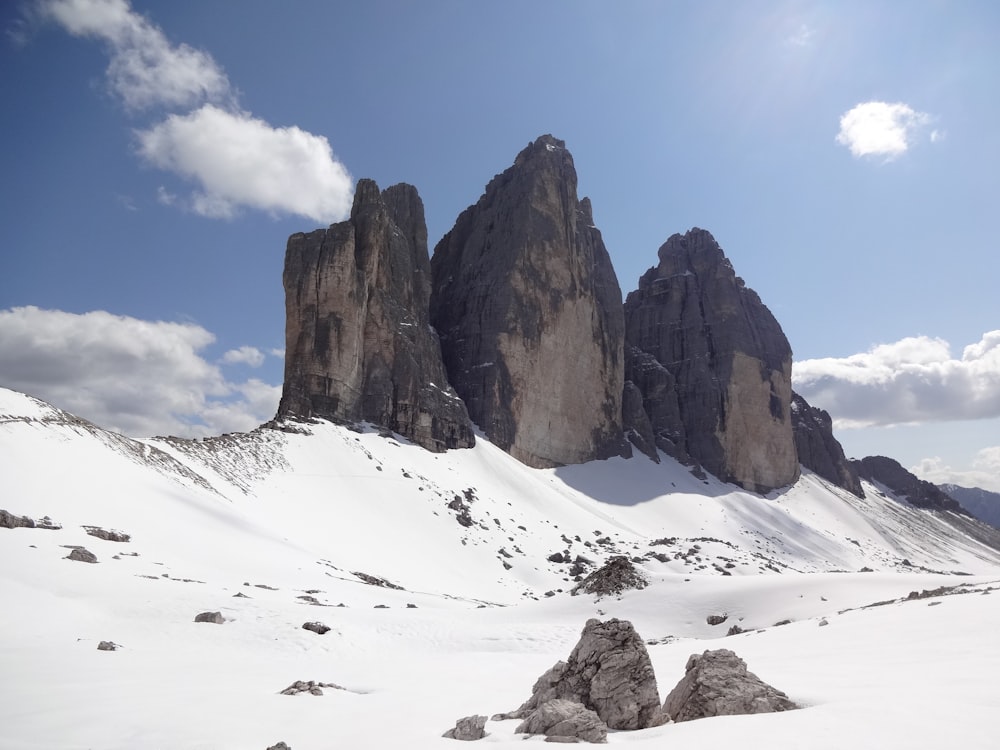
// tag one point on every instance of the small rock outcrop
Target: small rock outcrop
(82, 554)
(727, 401)
(316, 627)
(717, 683)
(468, 729)
(108, 535)
(608, 672)
(10, 521)
(905, 484)
(566, 719)
(358, 341)
(279, 746)
(107, 646)
(615, 577)
(309, 687)
(818, 449)
(530, 315)
(215, 618)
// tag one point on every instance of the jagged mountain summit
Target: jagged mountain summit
(982, 504)
(530, 314)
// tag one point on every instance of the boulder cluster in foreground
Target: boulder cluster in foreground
(608, 683)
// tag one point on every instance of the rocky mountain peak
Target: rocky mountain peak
(529, 312)
(358, 341)
(718, 388)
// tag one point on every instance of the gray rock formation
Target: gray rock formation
(818, 449)
(468, 729)
(309, 687)
(729, 360)
(717, 683)
(905, 484)
(10, 521)
(609, 672)
(279, 746)
(82, 554)
(107, 535)
(529, 312)
(107, 646)
(316, 627)
(563, 718)
(616, 576)
(215, 618)
(358, 341)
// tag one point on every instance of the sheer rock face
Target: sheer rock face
(818, 449)
(717, 683)
(729, 360)
(609, 672)
(530, 316)
(358, 341)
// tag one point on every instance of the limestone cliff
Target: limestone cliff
(358, 341)
(530, 316)
(729, 405)
(818, 449)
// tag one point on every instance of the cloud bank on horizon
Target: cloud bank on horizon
(237, 160)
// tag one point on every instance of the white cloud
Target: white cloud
(245, 355)
(138, 377)
(985, 471)
(910, 381)
(240, 160)
(880, 129)
(145, 69)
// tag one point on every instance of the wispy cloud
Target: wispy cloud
(135, 376)
(985, 471)
(245, 355)
(910, 381)
(237, 160)
(881, 129)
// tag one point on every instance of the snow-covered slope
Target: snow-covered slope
(278, 527)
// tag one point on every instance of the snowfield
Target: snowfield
(445, 580)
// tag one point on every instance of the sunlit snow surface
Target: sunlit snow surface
(277, 516)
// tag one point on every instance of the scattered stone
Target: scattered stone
(609, 672)
(823, 622)
(316, 627)
(213, 617)
(468, 729)
(735, 630)
(240, 595)
(376, 581)
(107, 535)
(411, 606)
(717, 683)
(565, 719)
(613, 578)
(81, 554)
(279, 746)
(716, 619)
(300, 687)
(308, 599)
(107, 646)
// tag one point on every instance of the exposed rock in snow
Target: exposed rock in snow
(316, 627)
(299, 687)
(467, 729)
(81, 554)
(717, 683)
(616, 576)
(213, 617)
(565, 718)
(107, 646)
(609, 672)
(107, 535)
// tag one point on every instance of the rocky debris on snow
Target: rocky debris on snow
(461, 509)
(609, 672)
(108, 646)
(358, 340)
(316, 627)
(10, 521)
(468, 729)
(81, 554)
(565, 719)
(735, 630)
(376, 581)
(716, 619)
(212, 617)
(301, 687)
(818, 449)
(717, 683)
(279, 746)
(107, 535)
(722, 392)
(530, 314)
(615, 577)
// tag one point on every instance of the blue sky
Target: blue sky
(844, 154)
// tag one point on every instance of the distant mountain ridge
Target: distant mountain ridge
(531, 341)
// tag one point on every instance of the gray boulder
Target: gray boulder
(468, 729)
(717, 683)
(213, 617)
(316, 627)
(10, 521)
(279, 746)
(107, 646)
(609, 672)
(564, 718)
(81, 554)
